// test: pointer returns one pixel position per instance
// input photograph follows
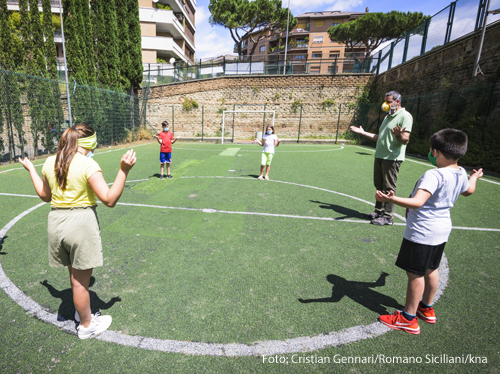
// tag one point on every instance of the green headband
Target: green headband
(90, 142)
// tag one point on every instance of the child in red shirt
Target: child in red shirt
(165, 139)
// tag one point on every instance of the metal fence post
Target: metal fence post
(12, 145)
(173, 120)
(449, 25)
(202, 120)
(407, 44)
(379, 60)
(300, 123)
(234, 107)
(264, 122)
(391, 53)
(424, 37)
(338, 123)
(481, 11)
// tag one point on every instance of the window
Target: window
(262, 49)
(318, 39)
(301, 25)
(334, 54)
(300, 57)
(335, 24)
(315, 69)
(333, 69)
(317, 54)
(319, 23)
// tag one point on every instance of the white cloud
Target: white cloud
(202, 14)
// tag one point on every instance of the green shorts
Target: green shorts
(267, 158)
(74, 238)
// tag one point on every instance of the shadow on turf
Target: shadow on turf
(364, 154)
(360, 292)
(1, 244)
(348, 213)
(67, 309)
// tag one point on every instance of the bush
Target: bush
(189, 104)
(328, 103)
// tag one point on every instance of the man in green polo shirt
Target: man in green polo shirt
(393, 136)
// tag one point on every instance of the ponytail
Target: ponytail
(66, 150)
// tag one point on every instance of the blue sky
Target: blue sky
(215, 41)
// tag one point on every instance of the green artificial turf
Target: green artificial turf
(173, 271)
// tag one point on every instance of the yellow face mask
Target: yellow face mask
(90, 142)
(385, 106)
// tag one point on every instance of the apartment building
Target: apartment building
(309, 48)
(167, 29)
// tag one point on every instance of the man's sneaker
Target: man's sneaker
(169, 176)
(398, 322)
(427, 314)
(382, 221)
(161, 177)
(98, 325)
(372, 215)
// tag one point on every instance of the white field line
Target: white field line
(430, 166)
(260, 348)
(211, 211)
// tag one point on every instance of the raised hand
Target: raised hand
(477, 173)
(28, 165)
(357, 130)
(380, 196)
(398, 131)
(128, 161)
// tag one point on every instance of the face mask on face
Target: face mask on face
(386, 106)
(165, 129)
(90, 154)
(269, 133)
(431, 158)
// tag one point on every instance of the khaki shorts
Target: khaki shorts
(74, 238)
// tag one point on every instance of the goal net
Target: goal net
(244, 124)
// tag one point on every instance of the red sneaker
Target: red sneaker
(398, 322)
(427, 314)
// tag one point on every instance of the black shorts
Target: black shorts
(418, 258)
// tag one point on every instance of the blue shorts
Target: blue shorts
(165, 157)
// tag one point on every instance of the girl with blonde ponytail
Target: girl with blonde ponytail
(72, 181)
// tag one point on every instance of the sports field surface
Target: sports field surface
(214, 271)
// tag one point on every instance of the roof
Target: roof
(329, 14)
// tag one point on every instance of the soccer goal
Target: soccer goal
(244, 112)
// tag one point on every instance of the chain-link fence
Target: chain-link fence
(294, 121)
(474, 110)
(456, 20)
(34, 113)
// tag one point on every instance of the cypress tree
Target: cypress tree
(55, 115)
(50, 49)
(37, 42)
(124, 44)
(25, 33)
(134, 32)
(105, 34)
(88, 40)
(72, 36)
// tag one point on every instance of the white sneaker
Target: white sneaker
(98, 325)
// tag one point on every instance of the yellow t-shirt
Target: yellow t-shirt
(78, 192)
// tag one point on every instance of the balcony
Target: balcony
(165, 21)
(163, 43)
(52, 2)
